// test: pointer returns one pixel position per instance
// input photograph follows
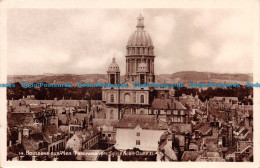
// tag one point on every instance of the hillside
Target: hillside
(182, 77)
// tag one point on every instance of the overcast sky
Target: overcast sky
(83, 41)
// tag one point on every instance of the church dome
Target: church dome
(113, 67)
(140, 40)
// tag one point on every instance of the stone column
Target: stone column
(126, 66)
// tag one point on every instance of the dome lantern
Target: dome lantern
(113, 67)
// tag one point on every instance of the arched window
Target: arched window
(75, 121)
(111, 114)
(142, 98)
(127, 98)
(112, 98)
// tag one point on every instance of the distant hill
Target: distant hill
(182, 77)
(197, 77)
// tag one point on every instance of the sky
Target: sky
(84, 41)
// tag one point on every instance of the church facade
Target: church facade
(139, 69)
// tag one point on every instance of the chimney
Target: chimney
(230, 135)
(205, 151)
(50, 137)
(10, 143)
(84, 137)
(20, 135)
(26, 132)
(215, 129)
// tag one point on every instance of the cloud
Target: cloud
(85, 40)
(40, 60)
(200, 49)
(162, 27)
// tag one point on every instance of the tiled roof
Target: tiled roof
(101, 122)
(79, 117)
(52, 129)
(212, 144)
(29, 145)
(180, 127)
(190, 155)
(205, 128)
(144, 121)
(165, 104)
(16, 119)
(63, 118)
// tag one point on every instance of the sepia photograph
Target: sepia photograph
(123, 85)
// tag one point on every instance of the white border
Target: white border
(7, 4)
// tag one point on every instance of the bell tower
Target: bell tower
(113, 72)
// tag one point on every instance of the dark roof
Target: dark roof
(144, 121)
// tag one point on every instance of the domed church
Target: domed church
(139, 69)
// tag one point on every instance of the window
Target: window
(134, 111)
(163, 96)
(127, 98)
(138, 134)
(175, 112)
(111, 114)
(112, 98)
(142, 79)
(138, 142)
(112, 78)
(109, 135)
(142, 98)
(182, 112)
